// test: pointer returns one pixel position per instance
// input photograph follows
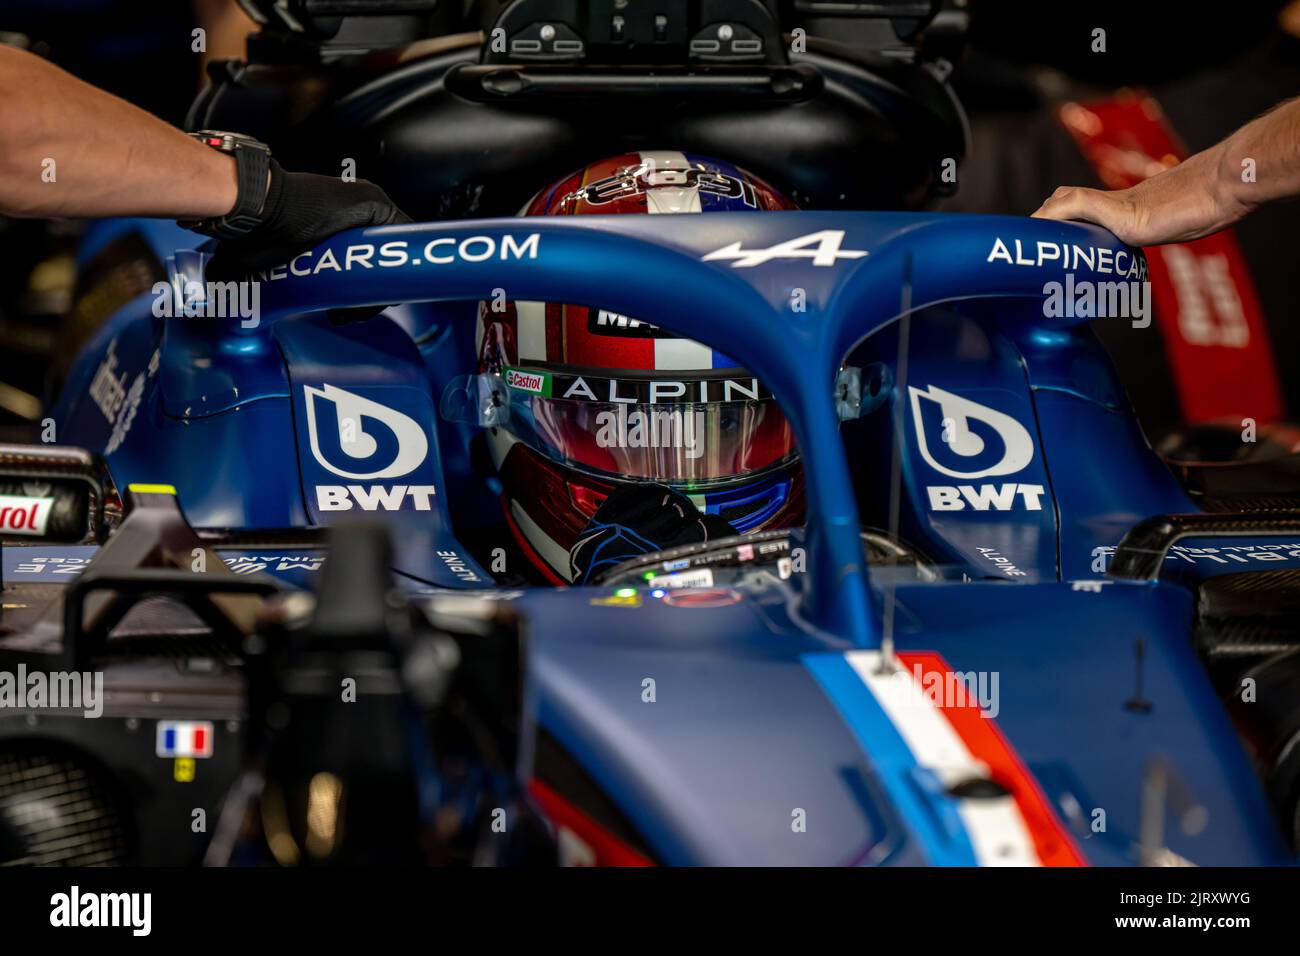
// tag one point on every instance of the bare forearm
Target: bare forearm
(1209, 191)
(69, 149)
(1261, 161)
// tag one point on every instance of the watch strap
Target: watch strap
(252, 165)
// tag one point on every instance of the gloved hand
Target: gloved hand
(636, 520)
(301, 210)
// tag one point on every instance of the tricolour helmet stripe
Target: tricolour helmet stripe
(669, 199)
(531, 331)
(723, 361)
(715, 203)
(682, 354)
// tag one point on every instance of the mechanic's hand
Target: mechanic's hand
(636, 520)
(1177, 205)
(301, 210)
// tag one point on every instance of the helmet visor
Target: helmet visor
(685, 432)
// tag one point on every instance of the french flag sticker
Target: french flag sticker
(184, 738)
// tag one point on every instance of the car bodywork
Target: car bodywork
(779, 719)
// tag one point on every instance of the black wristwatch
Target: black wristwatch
(252, 163)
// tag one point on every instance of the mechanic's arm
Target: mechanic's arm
(1202, 195)
(109, 158)
(112, 159)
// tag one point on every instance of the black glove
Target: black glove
(301, 210)
(636, 520)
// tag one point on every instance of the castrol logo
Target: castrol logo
(20, 514)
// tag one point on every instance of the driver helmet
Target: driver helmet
(597, 398)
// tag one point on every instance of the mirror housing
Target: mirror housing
(51, 493)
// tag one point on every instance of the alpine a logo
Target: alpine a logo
(355, 437)
(823, 248)
(964, 439)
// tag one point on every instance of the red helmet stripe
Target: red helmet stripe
(544, 202)
(583, 348)
(603, 170)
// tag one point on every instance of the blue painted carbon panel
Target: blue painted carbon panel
(741, 733)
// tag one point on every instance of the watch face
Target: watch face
(213, 139)
(252, 159)
(227, 142)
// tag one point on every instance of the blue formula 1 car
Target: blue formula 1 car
(957, 613)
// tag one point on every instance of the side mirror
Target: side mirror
(860, 391)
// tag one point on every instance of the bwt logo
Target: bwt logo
(354, 437)
(964, 439)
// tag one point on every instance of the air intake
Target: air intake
(54, 812)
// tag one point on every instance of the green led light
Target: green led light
(625, 592)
